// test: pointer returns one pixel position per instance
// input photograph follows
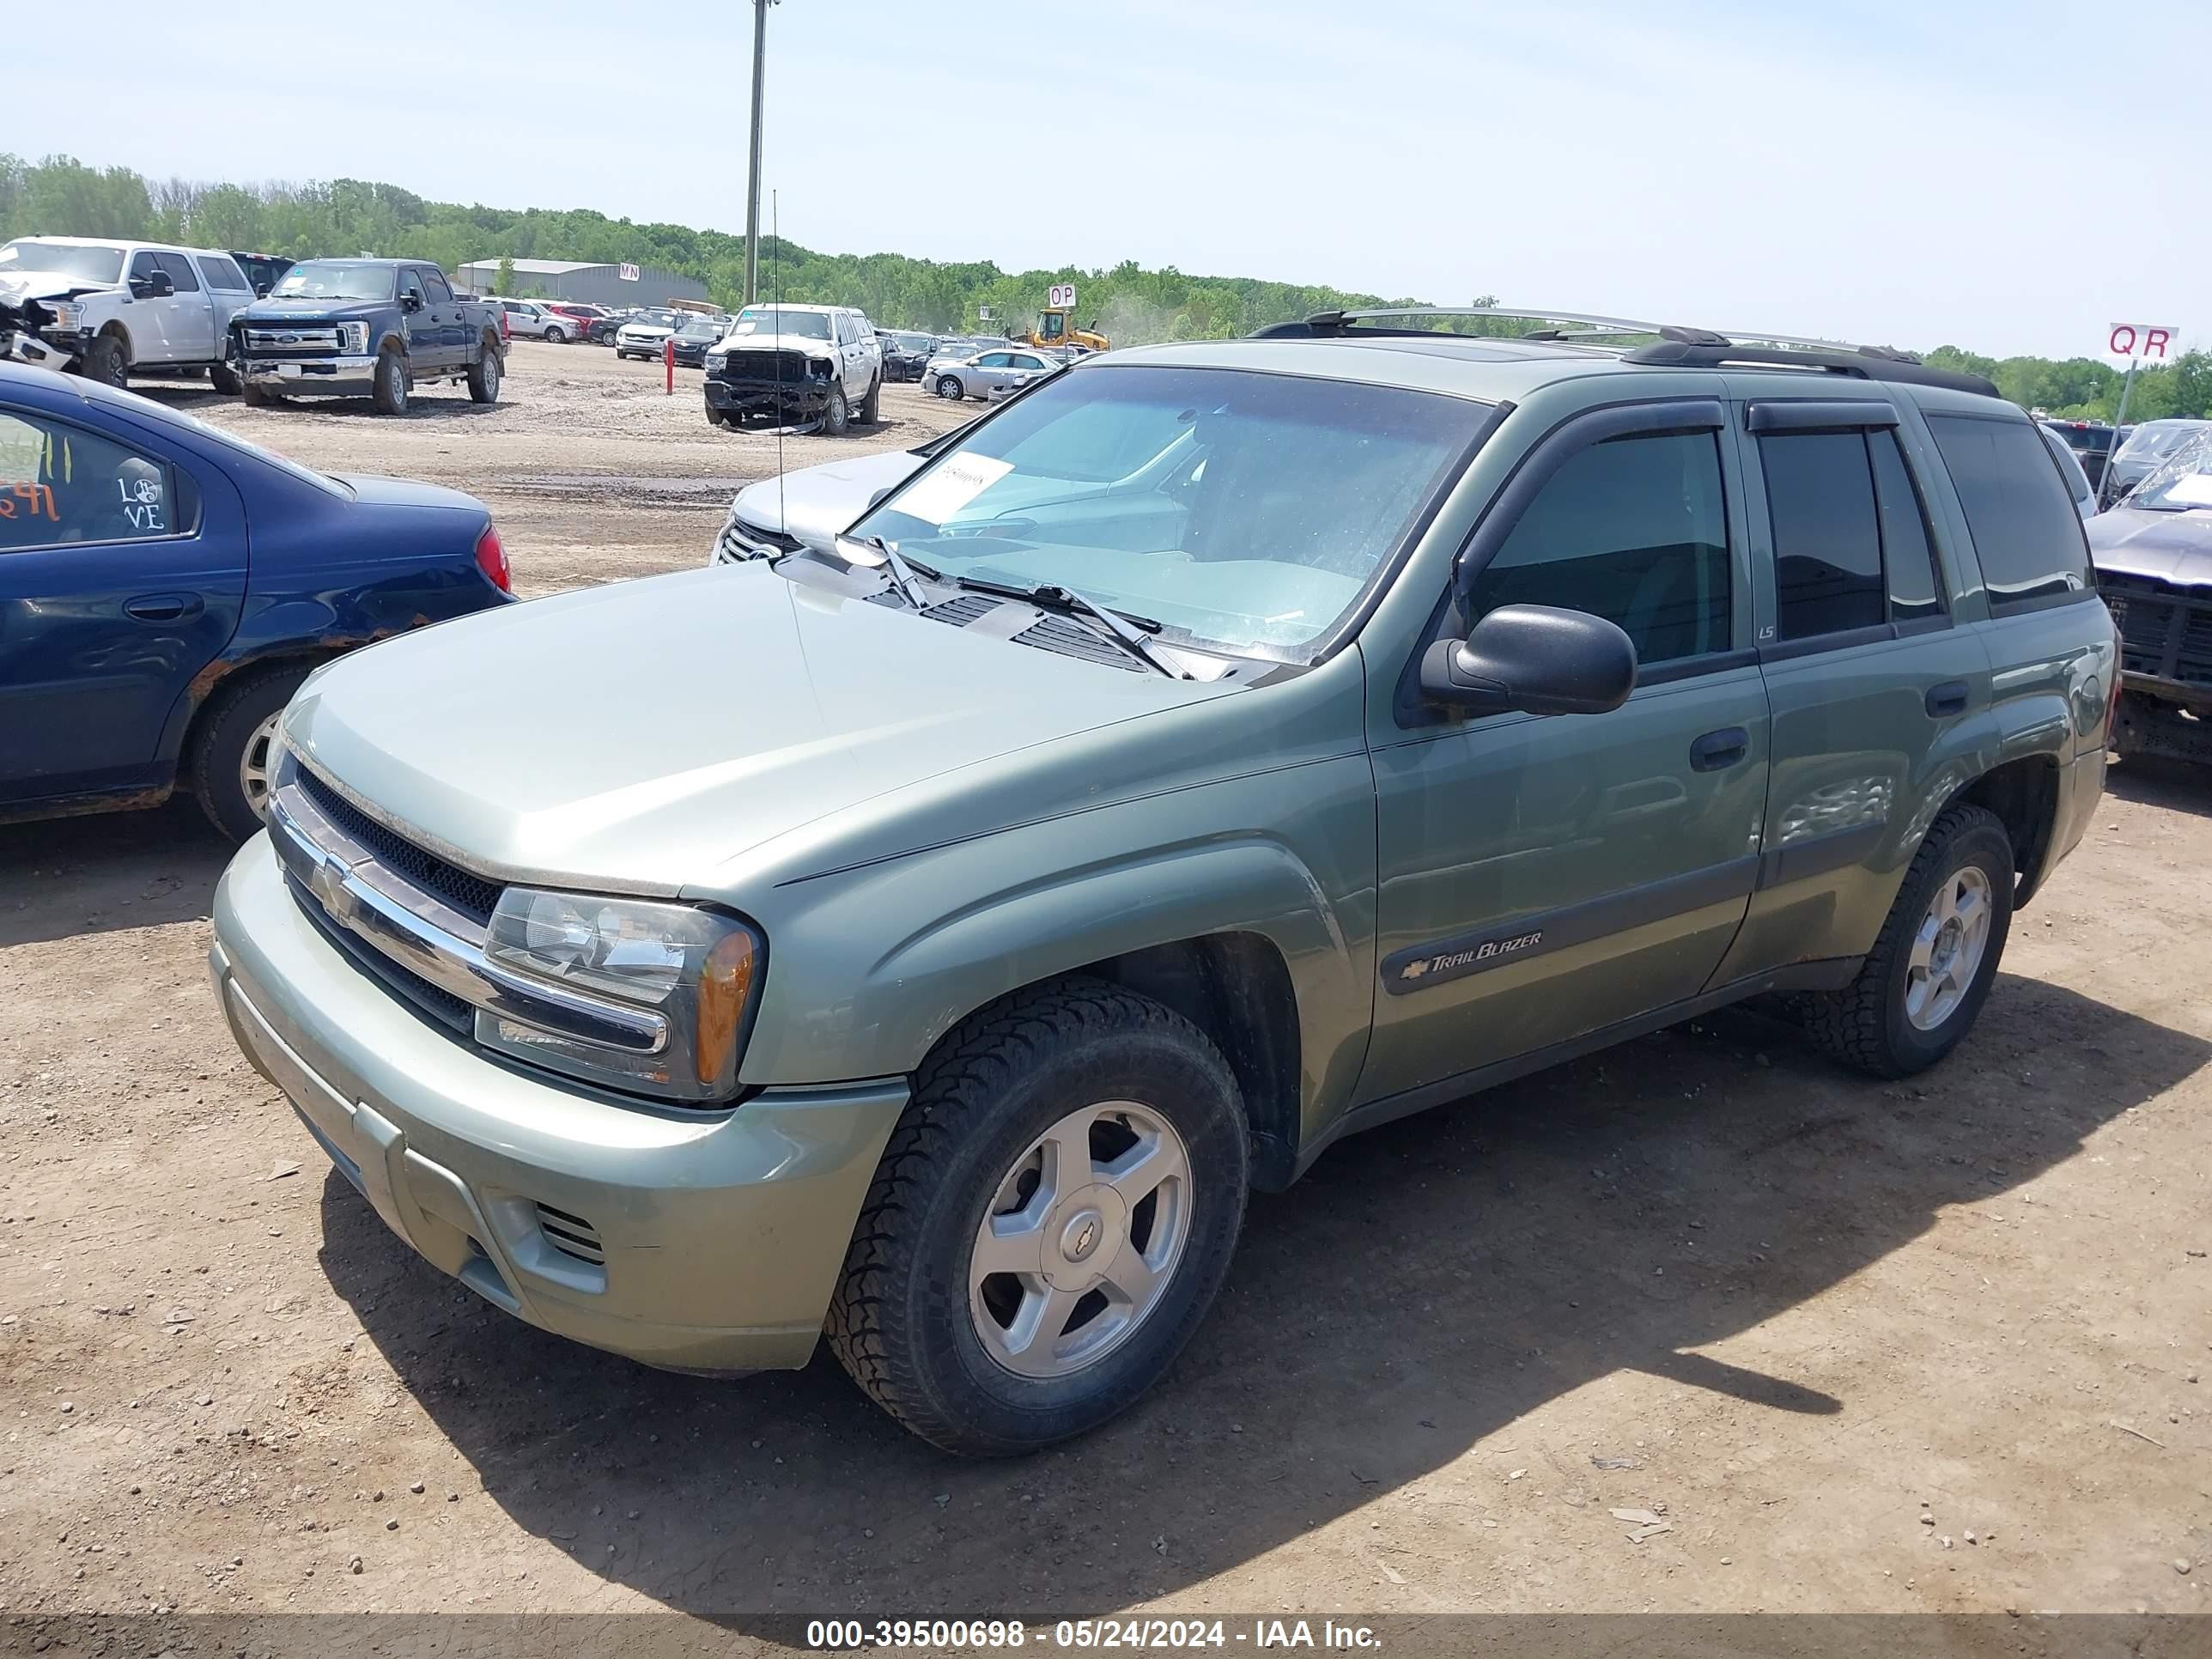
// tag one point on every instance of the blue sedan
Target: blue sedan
(165, 587)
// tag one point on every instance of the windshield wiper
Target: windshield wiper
(901, 570)
(1127, 631)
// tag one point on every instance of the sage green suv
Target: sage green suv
(1220, 748)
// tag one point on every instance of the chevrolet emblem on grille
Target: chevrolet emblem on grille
(328, 885)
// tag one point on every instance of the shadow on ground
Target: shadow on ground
(2153, 781)
(66, 877)
(1427, 1285)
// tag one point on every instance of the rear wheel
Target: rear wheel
(836, 417)
(483, 376)
(1918, 992)
(107, 359)
(1052, 1219)
(233, 755)
(388, 391)
(949, 387)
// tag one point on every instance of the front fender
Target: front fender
(869, 967)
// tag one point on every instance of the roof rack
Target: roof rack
(1677, 345)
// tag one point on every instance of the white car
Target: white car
(528, 320)
(643, 334)
(796, 363)
(107, 308)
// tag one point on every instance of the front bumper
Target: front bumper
(787, 400)
(690, 1240)
(304, 376)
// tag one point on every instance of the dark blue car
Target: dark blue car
(165, 587)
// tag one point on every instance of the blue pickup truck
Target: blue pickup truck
(365, 328)
(165, 587)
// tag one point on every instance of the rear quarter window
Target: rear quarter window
(2026, 536)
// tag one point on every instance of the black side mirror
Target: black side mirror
(261, 290)
(410, 302)
(1534, 658)
(156, 285)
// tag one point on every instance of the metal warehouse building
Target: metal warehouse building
(566, 279)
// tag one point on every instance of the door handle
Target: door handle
(164, 607)
(1948, 699)
(1716, 751)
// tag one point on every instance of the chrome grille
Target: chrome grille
(472, 896)
(740, 541)
(290, 341)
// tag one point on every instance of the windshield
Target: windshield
(1248, 512)
(772, 319)
(334, 279)
(2155, 440)
(2182, 480)
(84, 261)
(704, 329)
(913, 342)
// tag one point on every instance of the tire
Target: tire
(837, 414)
(484, 376)
(1872, 1023)
(107, 359)
(949, 389)
(871, 405)
(226, 379)
(256, 396)
(225, 742)
(554, 337)
(716, 417)
(907, 1320)
(389, 390)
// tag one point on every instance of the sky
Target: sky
(1913, 174)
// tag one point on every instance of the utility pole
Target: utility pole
(752, 181)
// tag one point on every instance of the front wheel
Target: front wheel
(226, 379)
(554, 337)
(949, 387)
(837, 414)
(870, 405)
(1917, 993)
(388, 391)
(1052, 1219)
(107, 361)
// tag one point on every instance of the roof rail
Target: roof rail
(1677, 344)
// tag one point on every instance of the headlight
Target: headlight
(695, 969)
(716, 360)
(67, 317)
(353, 339)
(820, 367)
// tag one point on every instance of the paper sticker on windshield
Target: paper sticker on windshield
(951, 487)
(2195, 491)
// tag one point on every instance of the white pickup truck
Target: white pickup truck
(105, 308)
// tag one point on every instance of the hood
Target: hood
(2166, 547)
(815, 503)
(635, 737)
(305, 308)
(654, 329)
(20, 285)
(380, 491)
(758, 342)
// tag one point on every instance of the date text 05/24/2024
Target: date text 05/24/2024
(942, 1634)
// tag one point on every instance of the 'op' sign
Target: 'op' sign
(1061, 297)
(2139, 340)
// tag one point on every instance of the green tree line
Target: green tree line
(1129, 304)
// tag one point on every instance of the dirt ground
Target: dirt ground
(1933, 1346)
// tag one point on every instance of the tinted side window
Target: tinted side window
(434, 284)
(1907, 553)
(1634, 531)
(141, 266)
(409, 283)
(60, 484)
(2026, 533)
(1828, 536)
(181, 273)
(222, 273)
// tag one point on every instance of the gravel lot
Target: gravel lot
(1933, 1346)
